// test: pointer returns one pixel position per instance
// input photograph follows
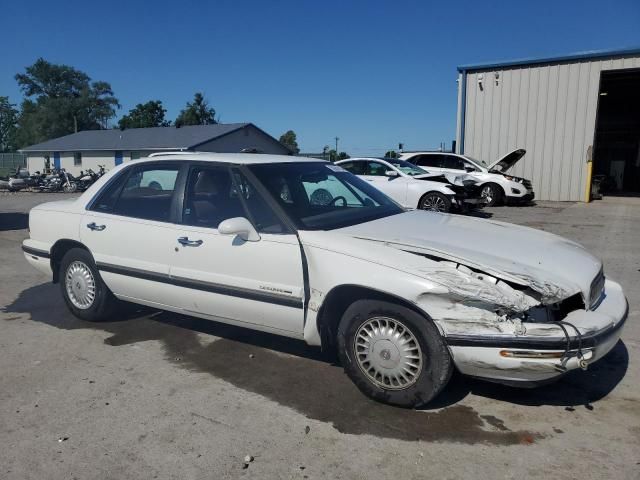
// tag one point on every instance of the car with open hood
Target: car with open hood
(305, 249)
(496, 185)
(413, 187)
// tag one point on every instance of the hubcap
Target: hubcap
(434, 203)
(388, 353)
(487, 194)
(80, 285)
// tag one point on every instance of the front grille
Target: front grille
(597, 290)
(527, 184)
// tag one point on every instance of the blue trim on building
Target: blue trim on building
(118, 157)
(463, 111)
(56, 160)
(592, 54)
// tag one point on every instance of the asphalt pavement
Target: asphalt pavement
(159, 395)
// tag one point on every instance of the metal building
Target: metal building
(564, 111)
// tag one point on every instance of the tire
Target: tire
(493, 193)
(70, 187)
(435, 202)
(78, 266)
(429, 375)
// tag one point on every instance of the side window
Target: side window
(376, 169)
(357, 168)
(108, 198)
(453, 163)
(148, 193)
(210, 197)
(258, 211)
(434, 161)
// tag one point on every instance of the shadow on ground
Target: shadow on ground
(13, 221)
(297, 376)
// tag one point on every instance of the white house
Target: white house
(92, 148)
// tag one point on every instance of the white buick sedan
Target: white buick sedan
(302, 248)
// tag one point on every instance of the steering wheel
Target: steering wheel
(339, 197)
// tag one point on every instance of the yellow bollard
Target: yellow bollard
(587, 188)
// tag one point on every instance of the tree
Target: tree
(197, 113)
(335, 156)
(61, 100)
(289, 140)
(391, 154)
(8, 123)
(150, 114)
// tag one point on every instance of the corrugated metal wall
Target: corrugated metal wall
(550, 110)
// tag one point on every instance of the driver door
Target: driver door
(258, 284)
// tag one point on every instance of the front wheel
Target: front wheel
(435, 202)
(393, 354)
(70, 187)
(492, 194)
(83, 290)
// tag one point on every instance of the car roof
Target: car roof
(430, 152)
(236, 158)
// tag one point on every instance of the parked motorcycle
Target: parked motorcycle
(89, 177)
(59, 181)
(20, 180)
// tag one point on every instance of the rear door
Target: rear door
(129, 232)
(430, 162)
(394, 187)
(258, 284)
(453, 164)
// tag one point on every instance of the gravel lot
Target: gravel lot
(163, 396)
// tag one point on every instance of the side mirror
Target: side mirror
(469, 169)
(391, 173)
(241, 227)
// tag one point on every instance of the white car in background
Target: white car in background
(414, 187)
(496, 185)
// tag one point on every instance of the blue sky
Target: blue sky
(373, 73)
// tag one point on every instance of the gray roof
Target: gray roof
(588, 55)
(155, 138)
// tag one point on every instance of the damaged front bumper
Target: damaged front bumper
(543, 351)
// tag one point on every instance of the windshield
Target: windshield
(323, 196)
(406, 167)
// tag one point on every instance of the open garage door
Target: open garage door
(616, 159)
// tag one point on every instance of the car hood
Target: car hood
(553, 266)
(509, 160)
(444, 178)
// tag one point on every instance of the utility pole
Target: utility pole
(337, 145)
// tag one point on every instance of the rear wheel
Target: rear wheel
(83, 290)
(435, 202)
(393, 354)
(492, 193)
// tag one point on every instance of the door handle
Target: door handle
(189, 243)
(93, 226)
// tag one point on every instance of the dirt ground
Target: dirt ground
(158, 395)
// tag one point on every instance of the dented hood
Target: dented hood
(551, 265)
(509, 160)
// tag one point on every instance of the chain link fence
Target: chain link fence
(9, 163)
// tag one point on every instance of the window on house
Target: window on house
(77, 159)
(135, 155)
